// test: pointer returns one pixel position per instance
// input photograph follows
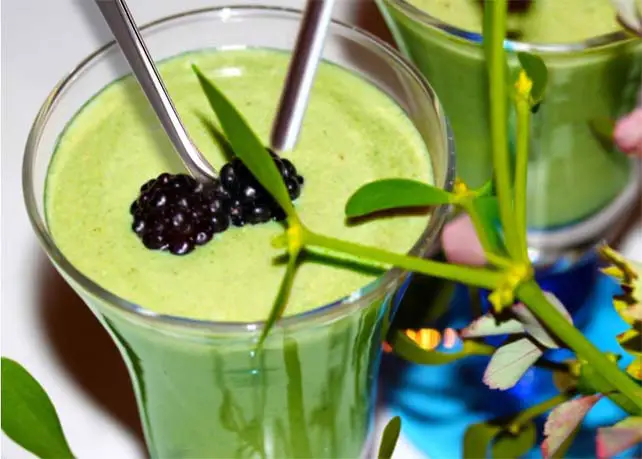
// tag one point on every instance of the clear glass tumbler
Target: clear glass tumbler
(201, 389)
(579, 185)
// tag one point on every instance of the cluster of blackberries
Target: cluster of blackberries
(177, 213)
(249, 201)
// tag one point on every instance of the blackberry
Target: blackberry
(177, 213)
(519, 6)
(250, 203)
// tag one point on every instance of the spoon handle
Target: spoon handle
(124, 29)
(301, 73)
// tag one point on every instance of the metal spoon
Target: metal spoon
(301, 73)
(128, 37)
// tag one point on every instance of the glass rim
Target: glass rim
(385, 281)
(620, 36)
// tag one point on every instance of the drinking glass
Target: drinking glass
(201, 389)
(579, 185)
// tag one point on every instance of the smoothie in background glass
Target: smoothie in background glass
(187, 326)
(594, 73)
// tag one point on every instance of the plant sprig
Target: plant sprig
(514, 274)
(511, 273)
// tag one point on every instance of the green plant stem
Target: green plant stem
(523, 110)
(533, 411)
(498, 96)
(531, 294)
(480, 277)
(492, 257)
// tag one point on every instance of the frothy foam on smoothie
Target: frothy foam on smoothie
(353, 133)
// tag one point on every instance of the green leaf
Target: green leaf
(487, 209)
(389, 438)
(28, 416)
(478, 438)
(393, 194)
(538, 74)
(281, 299)
(508, 445)
(487, 189)
(246, 144)
(509, 363)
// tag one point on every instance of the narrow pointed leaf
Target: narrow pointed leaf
(487, 325)
(538, 74)
(389, 438)
(509, 363)
(620, 437)
(28, 416)
(534, 327)
(487, 209)
(394, 193)
(282, 297)
(478, 438)
(487, 189)
(508, 445)
(246, 144)
(563, 421)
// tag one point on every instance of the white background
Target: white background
(44, 325)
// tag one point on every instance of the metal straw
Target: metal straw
(301, 73)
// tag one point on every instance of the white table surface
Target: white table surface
(44, 325)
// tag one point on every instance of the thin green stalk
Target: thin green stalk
(480, 277)
(523, 110)
(498, 122)
(533, 411)
(493, 258)
(531, 295)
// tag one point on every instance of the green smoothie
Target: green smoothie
(206, 393)
(572, 172)
(352, 134)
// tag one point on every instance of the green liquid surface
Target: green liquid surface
(544, 21)
(352, 134)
